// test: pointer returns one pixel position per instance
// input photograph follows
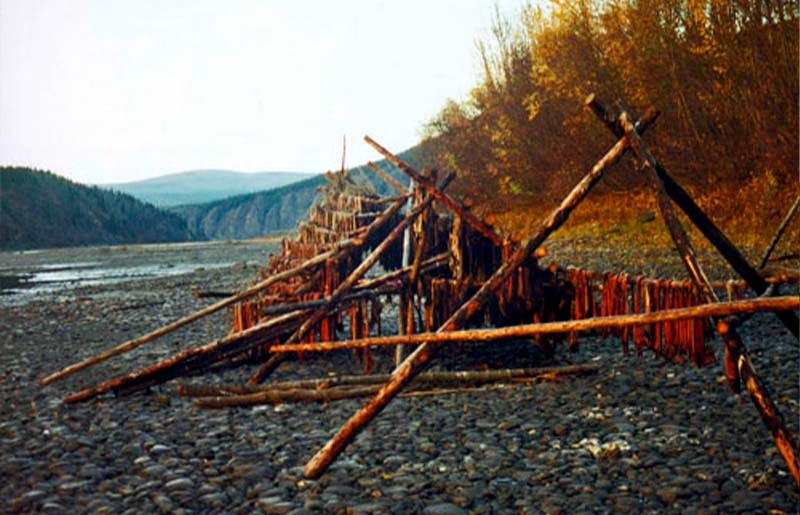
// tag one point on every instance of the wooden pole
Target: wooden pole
(400, 351)
(698, 217)
(445, 199)
(734, 346)
(345, 286)
(719, 309)
(767, 409)
(779, 233)
(239, 341)
(199, 390)
(249, 292)
(411, 365)
(276, 395)
(387, 178)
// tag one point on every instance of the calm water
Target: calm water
(53, 273)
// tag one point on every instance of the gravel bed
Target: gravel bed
(642, 436)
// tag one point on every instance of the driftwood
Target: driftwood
(345, 286)
(352, 388)
(411, 365)
(719, 309)
(387, 178)
(736, 352)
(175, 365)
(698, 217)
(445, 199)
(778, 233)
(474, 376)
(212, 294)
(769, 413)
(343, 246)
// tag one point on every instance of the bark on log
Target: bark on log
(704, 223)
(779, 233)
(386, 177)
(406, 370)
(734, 345)
(343, 246)
(429, 264)
(194, 390)
(445, 199)
(159, 372)
(212, 294)
(720, 309)
(277, 394)
(770, 415)
(347, 284)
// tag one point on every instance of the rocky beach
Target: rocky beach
(640, 436)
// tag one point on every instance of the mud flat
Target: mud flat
(642, 436)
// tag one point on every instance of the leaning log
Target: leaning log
(778, 233)
(343, 246)
(412, 364)
(767, 409)
(699, 218)
(388, 179)
(479, 225)
(734, 347)
(175, 365)
(348, 283)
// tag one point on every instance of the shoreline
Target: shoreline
(641, 436)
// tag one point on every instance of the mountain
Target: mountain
(39, 209)
(262, 213)
(200, 186)
(251, 215)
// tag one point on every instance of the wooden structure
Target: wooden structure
(456, 273)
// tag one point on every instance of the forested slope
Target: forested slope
(39, 209)
(267, 212)
(723, 74)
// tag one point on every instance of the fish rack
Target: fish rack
(455, 279)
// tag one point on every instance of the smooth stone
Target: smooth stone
(163, 502)
(159, 449)
(443, 509)
(53, 507)
(180, 483)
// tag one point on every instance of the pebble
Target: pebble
(181, 483)
(443, 509)
(658, 430)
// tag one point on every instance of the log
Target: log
(410, 367)
(237, 342)
(429, 264)
(276, 395)
(445, 199)
(400, 351)
(212, 294)
(343, 246)
(735, 348)
(386, 177)
(347, 284)
(778, 233)
(698, 217)
(770, 415)
(719, 309)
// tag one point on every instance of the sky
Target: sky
(105, 91)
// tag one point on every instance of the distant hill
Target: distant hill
(200, 186)
(262, 213)
(39, 209)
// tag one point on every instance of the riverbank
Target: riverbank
(641, 436)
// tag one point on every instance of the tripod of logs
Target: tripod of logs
(452, 274)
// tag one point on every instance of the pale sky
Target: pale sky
(107, 91)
